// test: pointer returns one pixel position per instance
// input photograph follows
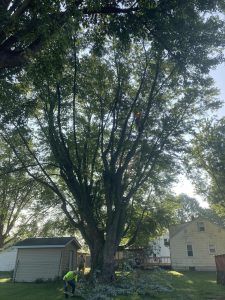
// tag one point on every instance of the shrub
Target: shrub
(39, 280)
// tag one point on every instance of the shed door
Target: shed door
(33, 264)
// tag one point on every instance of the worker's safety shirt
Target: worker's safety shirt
(70, 276)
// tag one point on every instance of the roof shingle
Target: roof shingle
(55, 241)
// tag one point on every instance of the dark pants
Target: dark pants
(72, 284)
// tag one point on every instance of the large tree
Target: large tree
(97, 126)
(106, 107)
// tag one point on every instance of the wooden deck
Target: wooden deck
(151, 262)
(147, 263)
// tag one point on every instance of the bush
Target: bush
(39, 280)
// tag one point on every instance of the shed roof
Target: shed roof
(54, 242)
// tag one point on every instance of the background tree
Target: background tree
(189, 208)
(208, 159)
(19, 195)
(147, 223)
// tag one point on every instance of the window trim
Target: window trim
(190, 251)
(201, 226)
(212, 253)
(166, 242)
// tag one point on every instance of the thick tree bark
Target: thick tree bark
(103, 250)
(103, 260)
(108, 266)
(96, 250)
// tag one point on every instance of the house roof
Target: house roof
(175, 229)
(54, 242)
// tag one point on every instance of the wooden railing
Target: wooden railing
(146, 262)
(159, 261)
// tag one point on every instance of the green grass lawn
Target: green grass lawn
(185, 286)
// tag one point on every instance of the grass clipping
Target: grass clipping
(135, 282)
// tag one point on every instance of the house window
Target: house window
(166, 242)
(189, 250)
(212, 249)
(201, 226)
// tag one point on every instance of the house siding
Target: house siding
(202, 260)
(33, 264)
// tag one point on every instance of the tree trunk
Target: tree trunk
(2, 236)
(103, 260)
(103, 254)
(108, 266)
(1, 241)
(96, 250)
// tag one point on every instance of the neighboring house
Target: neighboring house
(160, 249)
(45, 258)
(193, 245)
(160, 246)
(8, 259)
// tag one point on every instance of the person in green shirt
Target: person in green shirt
(70, 279)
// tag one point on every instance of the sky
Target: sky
(219, 77)
(184, 185)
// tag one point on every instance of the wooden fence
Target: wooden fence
(220, 268)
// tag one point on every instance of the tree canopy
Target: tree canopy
(27, 26)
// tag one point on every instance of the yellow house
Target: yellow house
(193, 245)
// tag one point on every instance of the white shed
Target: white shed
(8, 259)
(45, 258)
